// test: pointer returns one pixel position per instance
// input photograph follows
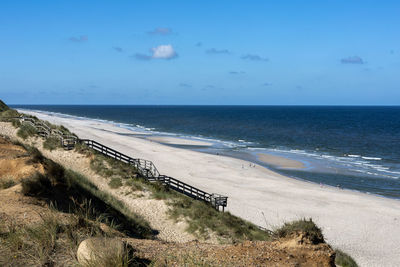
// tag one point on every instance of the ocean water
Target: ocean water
(356, 148)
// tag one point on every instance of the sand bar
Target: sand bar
(365, 226)
(280, 162)
(178, 141)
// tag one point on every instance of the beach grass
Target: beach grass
(202, 218)
(26, 130)
(304, 226)
(115, 182)
(66, 188)
(344, 260)
(52, 143)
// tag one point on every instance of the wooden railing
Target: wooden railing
(148, 170)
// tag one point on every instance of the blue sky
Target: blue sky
(200, 52)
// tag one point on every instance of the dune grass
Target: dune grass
(202, 218)
(26, 130)
(115, 182)
(344, 260)
(66, 188)
(305, 226)
(52, 143)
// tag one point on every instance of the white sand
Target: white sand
(365, 226)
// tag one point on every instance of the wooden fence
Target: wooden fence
(148, 170)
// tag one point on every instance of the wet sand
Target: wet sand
(280, 162)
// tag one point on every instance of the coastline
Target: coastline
(363, 225)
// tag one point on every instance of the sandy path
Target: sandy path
(365, 226)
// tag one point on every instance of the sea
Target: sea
(350, 147)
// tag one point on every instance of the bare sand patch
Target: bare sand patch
(280, 162)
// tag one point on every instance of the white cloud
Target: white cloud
(164, 52)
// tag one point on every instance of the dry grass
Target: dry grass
(304, 226)
(344, 259)
(26, 130)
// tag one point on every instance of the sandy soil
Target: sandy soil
(178, 141)
(365, 226)
(280, 162)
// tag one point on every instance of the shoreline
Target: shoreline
(256, 190)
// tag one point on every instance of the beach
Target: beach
(365, 226)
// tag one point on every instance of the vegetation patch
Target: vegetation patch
(115, 182)
(52, 143)
(344, 260)
(67, 189)
(202, 218)
(107, 167)
(3, 106)
(307, 227)
(26, 130)
(48, 242)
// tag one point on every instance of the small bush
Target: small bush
(344, 259)
(52, 143)
(6, 183)
(26, 130)
(308, 227)
(115, 182)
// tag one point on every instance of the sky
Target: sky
(200, 52)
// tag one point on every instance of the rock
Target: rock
(97, 248)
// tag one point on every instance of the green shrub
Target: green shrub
(344, 259)
(307, 227)
(115, 182)
(52, 143)
(26, 130)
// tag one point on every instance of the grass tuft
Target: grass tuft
(202, 218)
(344, 260)
(26, 130)
(307, 227)
(115, 182)
(52, 143)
